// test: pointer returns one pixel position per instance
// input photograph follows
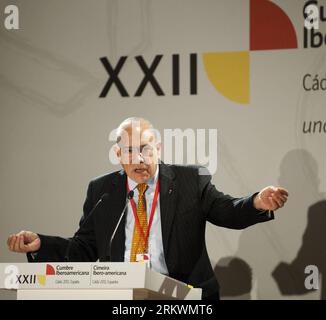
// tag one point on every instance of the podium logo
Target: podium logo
(49, 271)
(15, 278)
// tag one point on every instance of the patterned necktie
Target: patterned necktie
(137, 244)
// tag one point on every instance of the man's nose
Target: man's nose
(140, 158)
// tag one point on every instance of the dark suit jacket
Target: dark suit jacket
(187, 201)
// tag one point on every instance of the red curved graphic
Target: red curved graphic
(49, 270)
(270, 27)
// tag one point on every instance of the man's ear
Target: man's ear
(117, 151)
(159, 148)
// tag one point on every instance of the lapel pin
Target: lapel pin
(170, 191)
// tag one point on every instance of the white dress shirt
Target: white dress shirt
(155, 242)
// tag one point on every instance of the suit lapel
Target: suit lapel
(168, 196)
(117, 192)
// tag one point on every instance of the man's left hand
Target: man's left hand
(271, 198)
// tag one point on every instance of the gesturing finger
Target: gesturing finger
(284, 198)
(9, 240)
(12, 242)
(21, 243)
(277, 200)
(273, 203)
(16, 245)
(283, 191)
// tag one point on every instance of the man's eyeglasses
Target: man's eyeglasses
(145, 150)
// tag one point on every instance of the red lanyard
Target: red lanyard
(133, 206)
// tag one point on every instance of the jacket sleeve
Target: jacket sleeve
(81, 247)
(226, 211)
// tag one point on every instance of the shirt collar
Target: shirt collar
(151, 183)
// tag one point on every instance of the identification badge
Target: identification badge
(143, 257)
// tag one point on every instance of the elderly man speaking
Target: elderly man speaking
(151, 210)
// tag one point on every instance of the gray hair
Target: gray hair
(136, 122)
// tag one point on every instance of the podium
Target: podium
(92, 281)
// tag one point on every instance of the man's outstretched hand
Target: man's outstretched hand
(24, 241)
(271, 198)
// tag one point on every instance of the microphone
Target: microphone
(104, 197)
(130, 195)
